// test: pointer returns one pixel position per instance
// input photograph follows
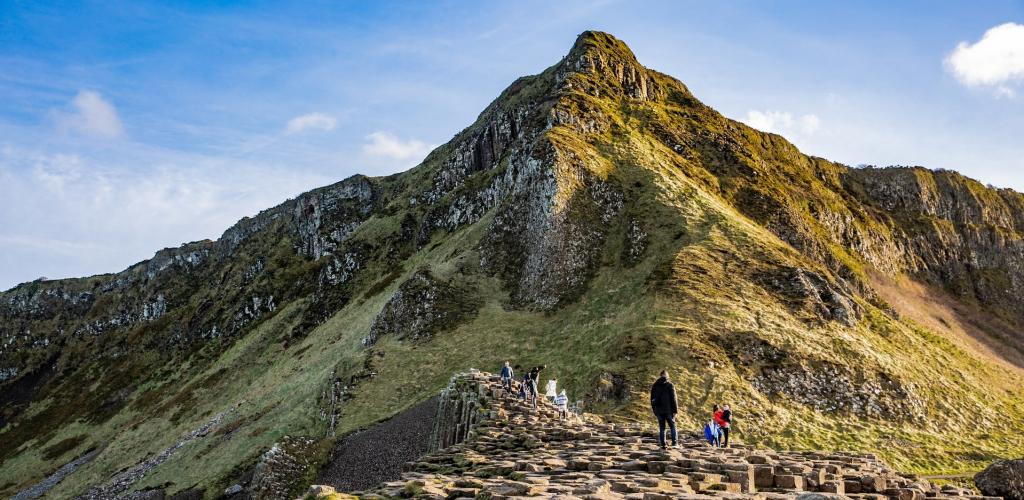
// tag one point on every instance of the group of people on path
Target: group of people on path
(528, 388)
(665, 408)
(663, 404)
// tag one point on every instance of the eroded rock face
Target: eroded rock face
(610, 66)
(823, 385)
(1004, 478)
(960, 234)
(280, 471)
(546, 240)
(810, 291)
(831, 387)
(324, 217)
(460, 407)
(422, 306)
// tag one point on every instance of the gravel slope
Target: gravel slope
(369, 457)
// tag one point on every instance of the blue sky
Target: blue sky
(126, 127)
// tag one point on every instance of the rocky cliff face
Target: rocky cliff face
(958, 234)
(596, 218)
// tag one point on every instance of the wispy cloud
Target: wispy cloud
(782, 122)
(72, 215)
(311, 121)
(388, 146)
(996, 61)
(90, 115)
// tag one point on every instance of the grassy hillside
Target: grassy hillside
(597, 218)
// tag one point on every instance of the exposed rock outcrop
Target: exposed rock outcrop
(282, 469)
(596, 170)
(831, 387)
(1004, 478)
(959, 234)
(422, 306)
(460, 407)
(807, 290)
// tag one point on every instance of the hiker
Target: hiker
(726, 422)
(534, 377)
(535, 373)
(552, 390)
(506, 377)
(663, 403)
(562, 402)
(524, 386)
(716, 417)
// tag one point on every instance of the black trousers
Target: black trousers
(725, 436)
(664, 418)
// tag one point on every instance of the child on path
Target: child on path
(562, 402)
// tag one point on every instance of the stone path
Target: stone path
(513, 451)
(39, 489)
(116, 486)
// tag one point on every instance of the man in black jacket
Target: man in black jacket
(663, 403)
(727, 417)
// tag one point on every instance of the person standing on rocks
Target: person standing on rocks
(562, 402)
(663, 403)
(726, 422)
(716, 417)
(534, 378)
(506, 377)
(552, 390)
(524, 387)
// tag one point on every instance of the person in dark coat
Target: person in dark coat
(534, 380)
(663, 403)
(726, 423)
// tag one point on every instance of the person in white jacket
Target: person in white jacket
(562, 402)
(552, 390)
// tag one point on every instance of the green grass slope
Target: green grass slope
(603, 222)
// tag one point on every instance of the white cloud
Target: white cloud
(311, 121)
(996, 61)
(74, 215)
(92, 116)
(781, 122)
(388, 146)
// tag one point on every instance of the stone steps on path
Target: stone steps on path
(517, 451)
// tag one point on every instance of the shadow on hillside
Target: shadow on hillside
(983, 333)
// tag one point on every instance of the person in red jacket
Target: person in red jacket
(717, 417)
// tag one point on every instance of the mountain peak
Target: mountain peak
(605, 65)
(604, 44)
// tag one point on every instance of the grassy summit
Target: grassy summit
(596, 218)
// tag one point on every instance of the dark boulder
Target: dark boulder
(1004, 478)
